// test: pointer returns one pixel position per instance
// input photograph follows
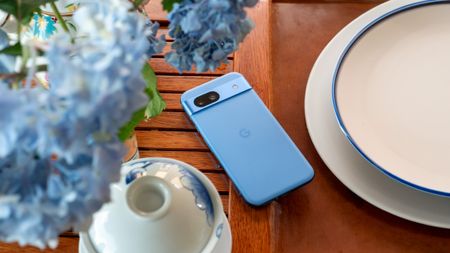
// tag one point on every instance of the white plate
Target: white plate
(392, 94)
(339, 155)
(224, 244)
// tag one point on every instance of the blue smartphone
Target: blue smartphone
(253, 148)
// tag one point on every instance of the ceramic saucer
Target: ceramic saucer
(391, 94)
(339, 155)
(223, 246)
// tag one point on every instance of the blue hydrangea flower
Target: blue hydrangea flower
(89, 25)
(59, 150)
(206, 32)
(156, 44)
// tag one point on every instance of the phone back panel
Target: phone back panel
(251, 145)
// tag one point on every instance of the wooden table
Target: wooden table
(323, 216)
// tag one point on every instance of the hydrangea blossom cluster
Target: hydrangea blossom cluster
(59, 150)
(206, 32)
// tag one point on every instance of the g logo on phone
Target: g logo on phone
(244, 133)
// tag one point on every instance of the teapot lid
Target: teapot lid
(160, 205)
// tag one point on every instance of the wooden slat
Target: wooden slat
(66, 244)
(167, 49)
(168, 121)
(164, 31)
(171, 140)
(156, 12)
(180, 83)
(252, 227)
(225, 203)
(69, 234)
(204, 161)
(253, 59)
(162, 67)
(220, 181)
(172, 101)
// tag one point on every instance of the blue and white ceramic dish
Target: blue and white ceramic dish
(391, 95)
(342, 159)
(160, 205)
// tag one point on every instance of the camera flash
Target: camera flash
(235, 86)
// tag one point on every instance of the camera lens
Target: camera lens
(206, 99)
(213, 96)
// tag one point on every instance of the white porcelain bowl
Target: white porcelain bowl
(160, 205)
(391, 94)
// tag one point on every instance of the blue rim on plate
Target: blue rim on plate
(334, 99)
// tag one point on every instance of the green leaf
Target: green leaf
(156, 104)
(15, 50)
(138, 2)
(126, 131)
(23, 10)
(154, 107)
(8, 6)
(168, 4)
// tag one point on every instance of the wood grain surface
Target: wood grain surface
(253, 59)
(164, 31)
(66, 245)
(325, 216)
(168, 120)
(171, 140)
(179, 84)
(156, 12)
(172, 101)
(202, 160)
(167, 49)
(160, 66)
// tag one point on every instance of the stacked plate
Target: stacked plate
(378, 108)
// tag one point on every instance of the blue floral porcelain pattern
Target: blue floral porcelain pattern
(202, 198)
(139, 170)
(139, 164)
(188, 180)
(219, 231)
(135, 174)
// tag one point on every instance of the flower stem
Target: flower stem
(19, 30)
(59, 17)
